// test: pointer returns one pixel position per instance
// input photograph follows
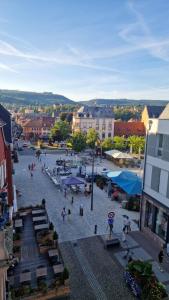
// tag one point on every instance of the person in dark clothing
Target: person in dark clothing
(160, 257)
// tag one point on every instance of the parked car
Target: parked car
(25, 145)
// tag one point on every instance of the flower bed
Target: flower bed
(142, 281)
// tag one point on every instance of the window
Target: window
(110, 126)
(155, 179)
(149, 215)
(109, 134)
(161, 223)
(103, 135)
(160, 144)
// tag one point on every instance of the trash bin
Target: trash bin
(124, 204)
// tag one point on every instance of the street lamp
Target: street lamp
(92, 180)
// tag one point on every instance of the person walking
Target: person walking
(123, 236)
(29, 167)
(125, 224)
(72, 200)
(128, 225)
(63, 214)
(160, 258)
(31, 174)
(69, 213)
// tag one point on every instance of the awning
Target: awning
(118, 154)
(72, 181)
(128, 181)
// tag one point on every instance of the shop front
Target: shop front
(156, 219)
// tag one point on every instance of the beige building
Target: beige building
(150, 113)
(99, 118)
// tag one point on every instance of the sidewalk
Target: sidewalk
(141, 247)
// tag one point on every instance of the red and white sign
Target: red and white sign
(111, 214)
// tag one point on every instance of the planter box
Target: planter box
(62, 291)
(44, 249)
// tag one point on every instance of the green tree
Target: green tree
(107, 144)
(119, 143)
(78, 141)
(60, 131)
(92, 137)
(136, 142)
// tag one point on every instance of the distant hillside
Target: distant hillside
(124, 102)
(31, 98)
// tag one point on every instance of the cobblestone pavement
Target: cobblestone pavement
(40, 186)
(94, 274)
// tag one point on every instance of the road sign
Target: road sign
(111, 215)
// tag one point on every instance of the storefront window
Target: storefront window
(161, 224)
(149, 215)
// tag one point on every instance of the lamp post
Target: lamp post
(92, 181)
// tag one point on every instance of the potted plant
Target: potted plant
(64, 276)
(55, 238)
(43, 203)
(142, 281)
(51, 226)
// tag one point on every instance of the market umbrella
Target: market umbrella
(72, 181)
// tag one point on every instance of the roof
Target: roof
(165, 114)
(6, 118)
(118, 154)
(154, 111)
(129, 128)
(2, 123)
(95, 112)
(40, 122)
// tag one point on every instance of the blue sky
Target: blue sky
(86, 49)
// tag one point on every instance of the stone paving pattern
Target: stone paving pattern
(91, 266)
(40, 186)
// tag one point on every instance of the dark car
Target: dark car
(89, 177)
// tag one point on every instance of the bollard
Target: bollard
(95, 229)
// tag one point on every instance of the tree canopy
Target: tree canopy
(136, 142)
(60, 131)
(78, 141)
(92, 137)
(107, 144)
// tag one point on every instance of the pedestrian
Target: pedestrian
(63, 213)
(69, 213)
(72, 200)
(45, 153)
(29, 167)
(125, 224)
(31, 174)
(160, 257)
(32, 167)
(123, 236)
(128, 225)
(42, 169)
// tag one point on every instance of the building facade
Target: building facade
(99, 118)
(39, 127)
(155, 203)
(149, 113)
